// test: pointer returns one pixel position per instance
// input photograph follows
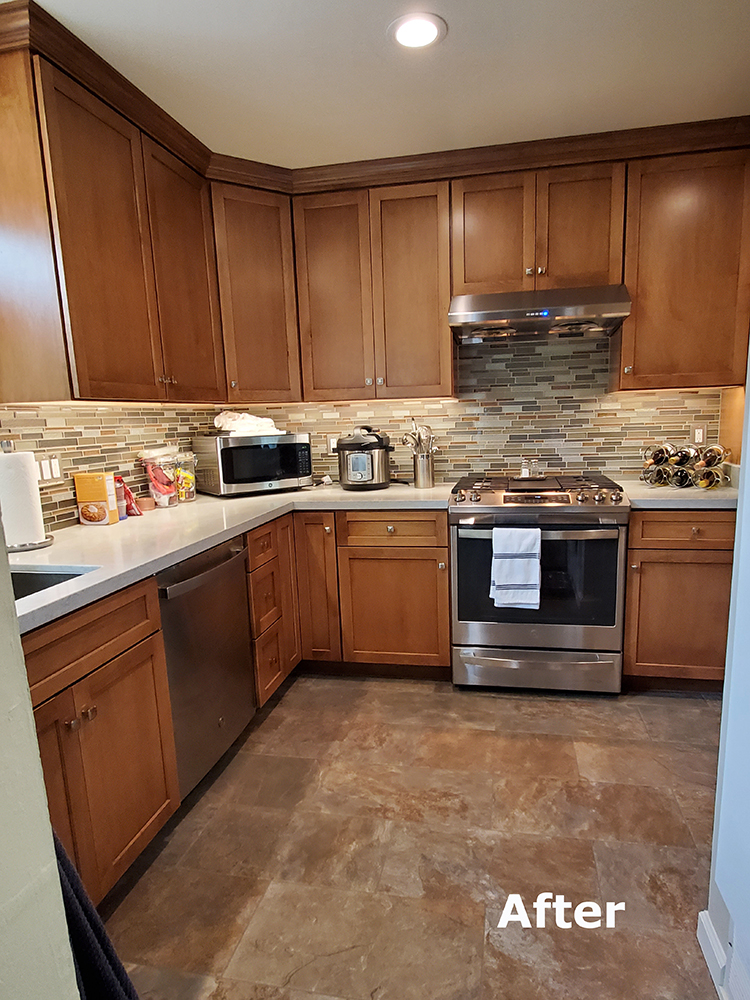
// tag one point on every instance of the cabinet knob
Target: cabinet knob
(89, 713)
(628, 369)
(161, 378)
(696, 532)
(541, 270)
(390, 529)
(380, 381)
(634, 566)
(173, 380)
(73, 725)
(368, 381)
(233, 384)
(273, 660)
(267, 596)
(441, 565)
(529, 270)
(327, 529)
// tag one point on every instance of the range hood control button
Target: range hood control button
(475, 497)
(460, 496)
(615, 496)
(600, 497)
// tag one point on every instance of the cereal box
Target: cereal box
(96, 498)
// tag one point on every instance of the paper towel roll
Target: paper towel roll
(20, 502)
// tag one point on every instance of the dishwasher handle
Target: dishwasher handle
(185, 586)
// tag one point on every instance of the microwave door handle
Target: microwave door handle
(582, 535)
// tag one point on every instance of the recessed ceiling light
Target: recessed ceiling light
(418, 30)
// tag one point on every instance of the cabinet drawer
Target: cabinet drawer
(264, 585)
(365, 527)
(261, 545)
(682, 529)
(62, 652)
(268, 663)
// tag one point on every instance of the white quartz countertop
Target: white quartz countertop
(643, 497)
(119, 554)
(114, 556)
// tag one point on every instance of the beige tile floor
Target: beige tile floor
(361, 839)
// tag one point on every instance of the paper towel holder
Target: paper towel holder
(7, 447)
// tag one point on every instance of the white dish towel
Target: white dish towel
(516, 575)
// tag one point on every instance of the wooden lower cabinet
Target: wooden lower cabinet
(274, 607)
(317, 584)
(395, 605)
(678, 593)
(108, 758)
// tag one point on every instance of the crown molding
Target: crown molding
(628, 144)
(250, 173)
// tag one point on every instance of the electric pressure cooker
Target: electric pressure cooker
(364, 459)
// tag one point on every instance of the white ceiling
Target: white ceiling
(298, 83)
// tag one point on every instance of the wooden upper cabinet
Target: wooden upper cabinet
(102, 242)
(179, 203)
(687, 268)
(409, 232)
(580, 213)
(334, 287)
(256, 287)
(557, 228)
(493, 233)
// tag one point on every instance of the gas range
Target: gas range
(563, 498)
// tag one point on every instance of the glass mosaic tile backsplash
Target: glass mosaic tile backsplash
(539, 400)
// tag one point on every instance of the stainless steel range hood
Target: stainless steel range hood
(554, 312)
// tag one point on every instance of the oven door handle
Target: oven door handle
(582, 535)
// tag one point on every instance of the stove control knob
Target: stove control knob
(460, 496)
(475, 497)
(582, 497)
(615, 496)
(600, 497)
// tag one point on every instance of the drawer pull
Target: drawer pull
(634, 566)
(267, 596)
(327, 529)
(73, 725)
(391, 530)
(696, 532)
(441, 565)
(273, 660)
(89, 713)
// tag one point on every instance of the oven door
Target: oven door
(582, 591)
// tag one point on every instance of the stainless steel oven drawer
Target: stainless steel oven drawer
(563, 670)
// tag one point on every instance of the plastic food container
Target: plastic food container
(185, 476)
(161, 468)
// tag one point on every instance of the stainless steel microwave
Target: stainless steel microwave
(227, 465)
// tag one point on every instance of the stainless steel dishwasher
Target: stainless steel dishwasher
(206, 624)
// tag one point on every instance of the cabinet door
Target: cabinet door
(317, 585)
(179, 204)
(395, 605)
(411, 290)
(256, 287)
(127, 747)
(102, 242)
(264, 588)
(56, 728)
(334, 286)
(677, 610)
(580, 218)
(290, 634)
(493, 233)
(687, 268)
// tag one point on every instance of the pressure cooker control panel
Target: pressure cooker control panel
(359, 467)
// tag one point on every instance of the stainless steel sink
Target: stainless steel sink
(31, 580)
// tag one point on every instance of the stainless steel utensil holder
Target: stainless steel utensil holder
(424, 471)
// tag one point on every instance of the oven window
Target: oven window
(579, 583)
(262, 462)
